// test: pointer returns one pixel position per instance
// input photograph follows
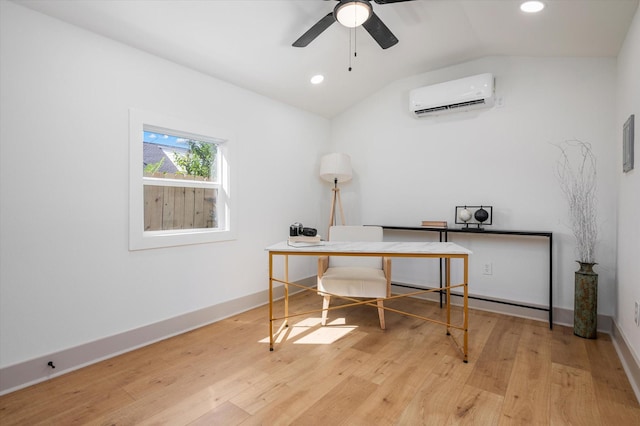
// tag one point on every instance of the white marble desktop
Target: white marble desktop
(399, 247)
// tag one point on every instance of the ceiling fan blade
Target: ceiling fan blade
(315, 31)
(380, 32)
(389, 1)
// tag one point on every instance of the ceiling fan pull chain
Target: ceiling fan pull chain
(350, 45)
(355, 42)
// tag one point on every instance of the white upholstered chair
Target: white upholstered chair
(354, 276)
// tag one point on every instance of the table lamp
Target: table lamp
(335, 168)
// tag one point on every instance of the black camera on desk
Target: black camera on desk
(297, 229)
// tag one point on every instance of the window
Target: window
(180, 177)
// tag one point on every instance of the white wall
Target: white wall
(408, 170)
(67, 277)
(629, 184)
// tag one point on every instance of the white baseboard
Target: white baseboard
(36, 370)
(629, 362)
(33, 371)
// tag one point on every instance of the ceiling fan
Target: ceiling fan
(353, 13)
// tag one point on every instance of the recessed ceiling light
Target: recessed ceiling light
(317, 79)
(532, 6)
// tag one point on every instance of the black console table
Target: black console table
(444, 237)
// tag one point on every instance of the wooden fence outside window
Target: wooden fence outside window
(171, 207)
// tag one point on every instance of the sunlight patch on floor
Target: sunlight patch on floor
(325, 335)
(310, 332)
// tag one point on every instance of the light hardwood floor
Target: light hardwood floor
(349, 372)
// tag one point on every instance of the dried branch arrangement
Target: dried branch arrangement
(576, 170)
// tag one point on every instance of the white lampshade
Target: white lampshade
(353, 13)
(335, 166)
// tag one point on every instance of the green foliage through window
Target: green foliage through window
(154, 167)
(200, 160)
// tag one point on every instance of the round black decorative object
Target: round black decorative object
(481, 215)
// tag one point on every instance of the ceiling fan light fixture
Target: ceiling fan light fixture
(353, 13)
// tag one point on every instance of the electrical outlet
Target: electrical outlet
(636, 317)
(487, 269)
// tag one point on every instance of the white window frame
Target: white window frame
(139, 239)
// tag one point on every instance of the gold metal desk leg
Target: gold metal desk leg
(270, 301)
(286, 290)
(447, 274)
(466, 307)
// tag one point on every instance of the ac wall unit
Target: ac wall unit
(464, 94)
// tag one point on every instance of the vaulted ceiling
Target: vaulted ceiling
(248, 43)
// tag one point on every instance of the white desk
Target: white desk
(444, 250)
